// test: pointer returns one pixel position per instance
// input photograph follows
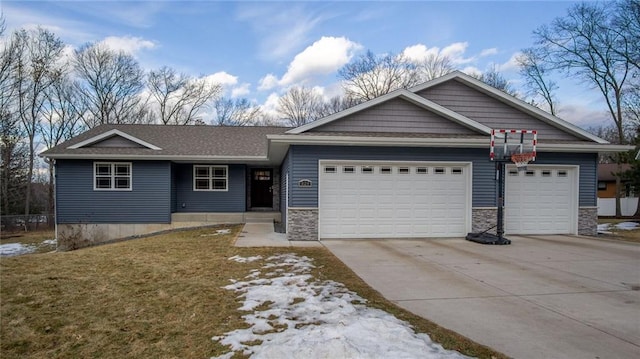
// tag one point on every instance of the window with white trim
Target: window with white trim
(112, 176)
(210, 178)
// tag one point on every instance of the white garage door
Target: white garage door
(393, 200)
(541, 200)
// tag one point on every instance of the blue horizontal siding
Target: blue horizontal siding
(147, 202)
(304, 165)
(284, 186)
(188, 200)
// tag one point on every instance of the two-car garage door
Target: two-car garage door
(395, 199)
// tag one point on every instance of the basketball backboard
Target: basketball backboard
(507, 143)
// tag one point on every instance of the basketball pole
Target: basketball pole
(500, 168)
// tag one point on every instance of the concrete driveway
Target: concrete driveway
(540, 297)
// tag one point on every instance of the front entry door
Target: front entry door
(261, 188)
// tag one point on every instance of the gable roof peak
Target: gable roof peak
(113, 133)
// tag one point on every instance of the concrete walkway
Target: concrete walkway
(263, 235)
(541, 297)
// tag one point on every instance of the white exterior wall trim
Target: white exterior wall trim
(111, 133)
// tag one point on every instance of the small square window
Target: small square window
(456, 171)
(112, 176)
(439, 170)
(330, 169)
(210, 178)
(403, 170)
(366, 169)
(530, 173)
(602, 185)
(348, 169)
(422, 170)
(562, 173)
(385, 170)
(513, 173)
(546, 173)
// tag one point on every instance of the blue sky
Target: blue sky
(258, 49)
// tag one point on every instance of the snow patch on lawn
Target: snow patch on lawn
(15, 249)
(606, 228)
(245, 259)
(302, 317)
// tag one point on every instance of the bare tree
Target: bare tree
(434, 66)
(494, 78)
(336, 104)
(626, 24)
(535, 72)
(35, 68)
(370, 76)
(179, 97)
(237, 112)
(14, 166)
(61, 121)
(586, 44)
(110, 85)
(299, 106)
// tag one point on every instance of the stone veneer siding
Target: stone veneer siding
(588, 221)
(302, 224)
(483, 219)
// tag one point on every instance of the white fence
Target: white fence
(607, 206)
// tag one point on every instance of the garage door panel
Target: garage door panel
(540, 202)
(408, 204)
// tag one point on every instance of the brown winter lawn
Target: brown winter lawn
(156, 297)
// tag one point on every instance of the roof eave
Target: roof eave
(174, 158)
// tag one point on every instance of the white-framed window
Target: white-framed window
(386, 170)
(329, 169)
(422, 170)
(366, 169)
(112, 176)
(403, 170)
(348, 169)
(210, 178)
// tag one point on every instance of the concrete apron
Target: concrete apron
(263, 235)
(540, 297)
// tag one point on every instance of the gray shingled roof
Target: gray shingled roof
(178, 141)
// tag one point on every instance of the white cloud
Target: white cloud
(455, 52)
(511, 64)
(488, 52)
(222, 78)
(128, 44)
(241, 90)
(270, 105)
(419, 52)
(268, 82)
(472, 71)
(323, 57)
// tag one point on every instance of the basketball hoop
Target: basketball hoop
(521, 160)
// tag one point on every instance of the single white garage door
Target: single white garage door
(541, 200)
(394, 200)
